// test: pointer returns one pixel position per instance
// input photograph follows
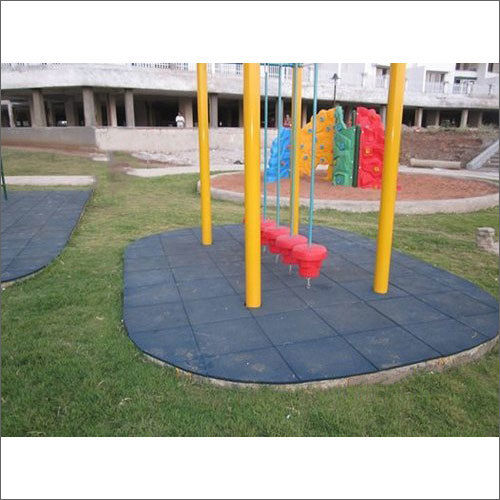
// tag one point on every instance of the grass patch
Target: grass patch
(68, 368)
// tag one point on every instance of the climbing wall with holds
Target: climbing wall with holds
(284, 149)
(371, 148)
(344, 148)
(325, 130)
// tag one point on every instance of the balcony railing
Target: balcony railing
(434, 87)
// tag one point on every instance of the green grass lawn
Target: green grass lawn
(69, 369)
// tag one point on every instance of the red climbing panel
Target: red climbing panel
(371, 148)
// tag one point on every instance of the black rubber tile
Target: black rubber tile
(188, 259)
(407, 310)
(346, 273)
(486, 324)
(175, 344)
(350, 318)
(236, 335)
(216, 309)
(326, 358)
(268, 282)
(219, 233)
(447, 336)
(417, 284)
(325, 294)
(196, 272)
(154, 317)
(278, 301)
(294, 326)
(261, 365)
(391, 347)
(456, 304)
(33, 228)
(339, 327)
(205, 288)
(150, 295)
(146, 264)
(363, 289)
(134, 279)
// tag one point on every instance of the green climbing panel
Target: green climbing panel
(343, 151)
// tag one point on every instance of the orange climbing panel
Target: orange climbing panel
(325, 129)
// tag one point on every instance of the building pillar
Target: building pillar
(12, 122)
(383, 114)
(51, 117)
(89, 107)
(419, 114)
(111, 110)
(213, 104)
(69, 112)
(304, 114)
(98, 112)
(463, 118)
(37, 109)
(129, 109)
(240, 114)
(433, 116)
(186, 108)
(476, 118)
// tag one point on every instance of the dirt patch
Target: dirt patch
(412, 187)
(444, 144)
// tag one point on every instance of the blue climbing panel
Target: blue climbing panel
(284, 147)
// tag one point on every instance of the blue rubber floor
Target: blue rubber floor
(184, 305)
(36, 225)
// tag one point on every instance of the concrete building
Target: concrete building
(54, 103)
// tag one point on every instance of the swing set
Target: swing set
(281, 240)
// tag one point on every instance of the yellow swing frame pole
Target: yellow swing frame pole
(206, 209)
(251, 117)
(296, 119)
(389, 178)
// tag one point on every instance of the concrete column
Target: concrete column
(12, 122)
(98, 111)
(213, 104)
(70, 112)
(476, 118)
(463, 118)
(304, 114)
(89, 107)
(37, 109)
(186, 108)
(141, 112)
(240, 113)
(383, 114)
(419, 114)
(111, 110)
(433, 116)
(51, 117)
(129, 109)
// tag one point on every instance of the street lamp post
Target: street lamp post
(335, 78)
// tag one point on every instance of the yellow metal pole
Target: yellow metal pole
(296, 118)
(251, 116)
(206, 210)
(389, 177)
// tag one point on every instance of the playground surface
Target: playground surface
(412, 187)
(184, 305)
(36, 225)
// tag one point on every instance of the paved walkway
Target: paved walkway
(184, 305)
(162, 171)
(49, 180)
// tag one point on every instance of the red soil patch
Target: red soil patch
(412, 187)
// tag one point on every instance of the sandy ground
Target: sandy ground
(411, 187)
